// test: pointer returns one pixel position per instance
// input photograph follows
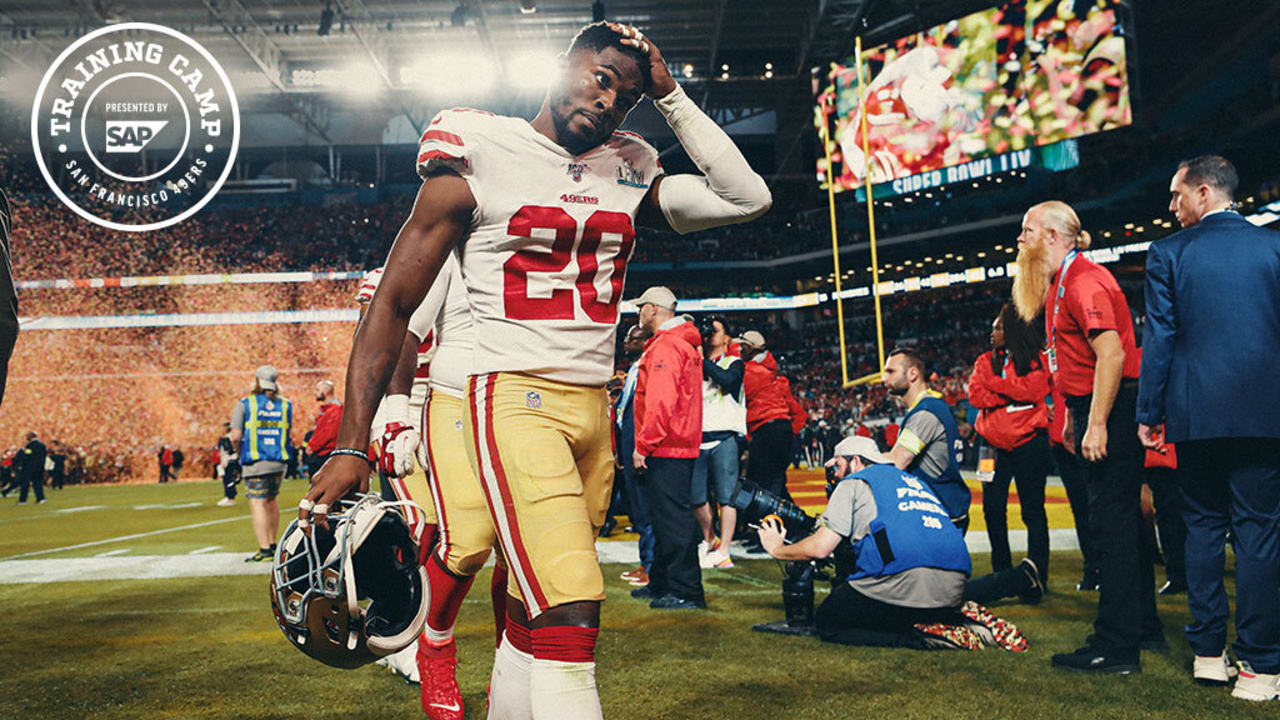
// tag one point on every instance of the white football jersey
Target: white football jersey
(545, 260)
(445, 310)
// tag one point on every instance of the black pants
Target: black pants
(1028, 464)
(230, 478)
(1170, 524)
(35, 481)
(1127, 601)
(676, 534)
(1009, 582)
(1078, 496)
(768, 456)
(850, 618)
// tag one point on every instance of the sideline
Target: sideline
(123, 537)
(206, 563)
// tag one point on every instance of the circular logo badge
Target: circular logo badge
(135, 127)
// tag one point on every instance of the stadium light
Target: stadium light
(982, 254)
(687, 70)
(531, 70)
(452, 74)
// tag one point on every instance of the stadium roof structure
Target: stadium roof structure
(741, 57)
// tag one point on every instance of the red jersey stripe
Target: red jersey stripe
(443, 136)
(439, 155)
(508, 502)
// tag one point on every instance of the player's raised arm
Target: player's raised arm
(440, 218)
(728, 191)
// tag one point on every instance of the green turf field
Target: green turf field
(207, 647)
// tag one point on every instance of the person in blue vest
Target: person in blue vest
(260, 426)
(911, 565)
(929, 443)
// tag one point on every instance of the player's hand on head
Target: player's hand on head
(339, 476)
(660, 81)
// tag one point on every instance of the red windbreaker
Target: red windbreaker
(765, 401)
(325, 437)
(1012, 407)
(798, 414)
(668, 399)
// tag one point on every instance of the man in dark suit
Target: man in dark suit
(1211, 357)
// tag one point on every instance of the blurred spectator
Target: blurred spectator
(324, 437)
(31, 469)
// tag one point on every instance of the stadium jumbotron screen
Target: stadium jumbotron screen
(1003, 80)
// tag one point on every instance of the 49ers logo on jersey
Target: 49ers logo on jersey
(583, 199)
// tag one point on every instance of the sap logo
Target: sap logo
(130, 136)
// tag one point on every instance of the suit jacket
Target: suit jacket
(1211, 348)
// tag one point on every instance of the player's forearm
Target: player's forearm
(731, 191)
(374, 356)
(407, 364)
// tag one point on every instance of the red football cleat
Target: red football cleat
(437, 670)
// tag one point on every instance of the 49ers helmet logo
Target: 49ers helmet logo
(135, 127)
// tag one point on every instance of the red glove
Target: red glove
(398, 444)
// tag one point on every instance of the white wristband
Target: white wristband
(396, 409)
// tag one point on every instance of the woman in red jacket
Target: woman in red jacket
(1008, 386)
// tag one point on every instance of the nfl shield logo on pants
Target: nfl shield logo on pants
(533, 400)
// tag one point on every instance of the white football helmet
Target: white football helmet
(354, 593)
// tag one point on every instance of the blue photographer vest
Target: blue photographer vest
(266, 429)
(949, 486)
(912, 529)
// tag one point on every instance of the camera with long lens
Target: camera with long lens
(755, 504)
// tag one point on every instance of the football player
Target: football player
(543, 216)
(466, 534)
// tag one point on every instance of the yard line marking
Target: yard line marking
(82, 508)
(168, 506)
(112, 553)
(162, 531)
(204, 550)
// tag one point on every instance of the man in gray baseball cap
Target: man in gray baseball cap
(260, 426)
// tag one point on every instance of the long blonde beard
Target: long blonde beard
(1032, 281)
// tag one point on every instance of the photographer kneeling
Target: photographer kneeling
(911, 563)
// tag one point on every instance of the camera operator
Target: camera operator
(911, 563)
(724, 425)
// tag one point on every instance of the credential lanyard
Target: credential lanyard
(1057, 299)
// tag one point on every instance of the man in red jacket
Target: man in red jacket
(325, 436)
(768, 417)
(668, 411)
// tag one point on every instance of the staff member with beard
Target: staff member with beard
(1095, 362)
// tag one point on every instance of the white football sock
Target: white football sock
(509, 694)
(564, 690)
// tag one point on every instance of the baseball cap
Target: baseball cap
(752, 339)
(657, 295)
(863, 447)
(267, 376)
